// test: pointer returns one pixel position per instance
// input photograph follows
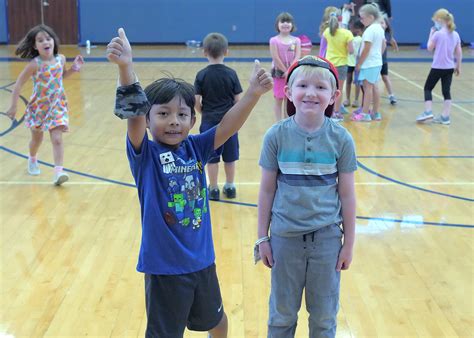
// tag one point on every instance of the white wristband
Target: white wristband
(262, 239)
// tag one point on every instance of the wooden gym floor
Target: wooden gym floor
(68, 254)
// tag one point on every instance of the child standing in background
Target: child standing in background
(217, 90)
(339, 42)
(47, 109)
(357, 29)
(384, 72)
(445, 42)
(370, 63)
(322, 27)
(284, 49)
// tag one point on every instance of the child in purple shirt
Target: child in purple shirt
(445, 42)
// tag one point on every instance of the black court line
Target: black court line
(233, 202)
(411, 185)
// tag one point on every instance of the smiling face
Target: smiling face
(170, 123)
(285, 27)
(311, 91)
(44, 44)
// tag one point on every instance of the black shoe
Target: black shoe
(214, 194)
(229, 192)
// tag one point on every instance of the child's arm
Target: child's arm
(431, 43)
(119, 52)
(28, 72)
(323, 46)
(363, 55)
(276, 58)
(198, 104)
(265, 201)
(260, 83)
(384, 46)
(75, 68)
(394, 44)
(458, 55)
(350, 47)
(348, 202)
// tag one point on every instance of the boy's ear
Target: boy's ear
(336, 94)
(226, 52)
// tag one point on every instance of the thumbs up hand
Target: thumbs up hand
(119, 50)
(260, 80)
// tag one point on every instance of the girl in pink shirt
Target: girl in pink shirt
(285, 49)
(445, 42)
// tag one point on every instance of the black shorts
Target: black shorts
(384, 70)
(230, 149)
(350, 69)
(174, 302)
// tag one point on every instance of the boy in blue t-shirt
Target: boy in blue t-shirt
(217, 90)
(176, 252)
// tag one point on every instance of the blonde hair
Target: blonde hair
(325, 20)
(443, 14)
(307, 70)
(371, 9)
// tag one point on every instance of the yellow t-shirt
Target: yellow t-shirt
(337, 51)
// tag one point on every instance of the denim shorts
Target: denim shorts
(230, 149)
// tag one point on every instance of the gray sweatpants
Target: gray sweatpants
(305, 262)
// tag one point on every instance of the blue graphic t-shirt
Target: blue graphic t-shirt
(171, 183)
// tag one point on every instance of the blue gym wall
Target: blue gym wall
(242, 21)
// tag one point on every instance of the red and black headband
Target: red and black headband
(314, 61)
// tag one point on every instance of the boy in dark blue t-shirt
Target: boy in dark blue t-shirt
(217, 90)
(176, 252)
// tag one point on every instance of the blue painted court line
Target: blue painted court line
(411, 185)
(228, 202)
(414, 156)
(228, 59)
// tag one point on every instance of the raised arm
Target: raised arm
(130, 97)
(260, 83)
(75, 68)
(28, 72)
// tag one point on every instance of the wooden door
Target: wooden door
(61, 15)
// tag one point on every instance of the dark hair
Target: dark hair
(285, 17)
(164, 90)
(215, 44)
(358, 25)
(26, 48)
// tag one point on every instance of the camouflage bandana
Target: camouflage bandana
(131, 101)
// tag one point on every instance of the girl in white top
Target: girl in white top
(369, 63)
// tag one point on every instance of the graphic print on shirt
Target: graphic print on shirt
(186, 196)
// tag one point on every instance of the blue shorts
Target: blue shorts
(371, 75)
(230, 149)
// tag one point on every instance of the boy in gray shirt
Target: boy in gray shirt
(306, 193)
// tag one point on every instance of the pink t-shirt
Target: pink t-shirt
(445, 44)
(286, 52)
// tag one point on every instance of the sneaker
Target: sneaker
(60, 178)
(346, 103)
(426, 115)
(33, 168)
(376, 116)
(366, 117)
(214, 194)
(442, 120)
(344, 110)
(392, 99)
(356, 116)
(355, 103)
(229, 192)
